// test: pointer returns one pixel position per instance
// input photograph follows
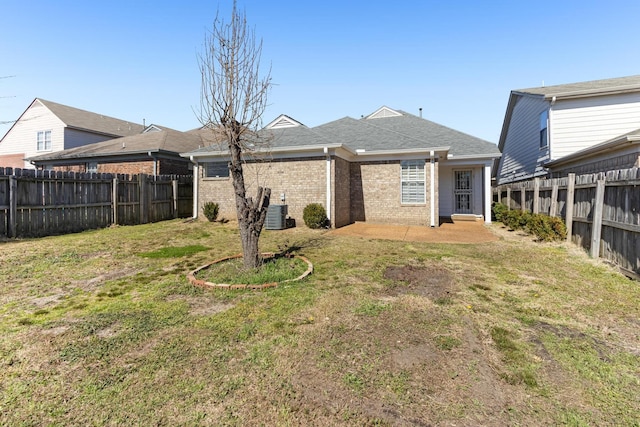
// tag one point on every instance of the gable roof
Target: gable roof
(91, 122)
(584, 89)
(163, 140)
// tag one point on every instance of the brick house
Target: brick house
(388, 167)
(155, 151)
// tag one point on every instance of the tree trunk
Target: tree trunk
(251, 213)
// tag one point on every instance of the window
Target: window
(44, 140)
(413, 182)
(92, 167)
(544, 119)
(216, 170)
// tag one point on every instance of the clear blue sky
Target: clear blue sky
(458, 60)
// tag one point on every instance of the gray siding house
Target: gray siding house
(582, 127)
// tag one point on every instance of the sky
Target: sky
(457, 60)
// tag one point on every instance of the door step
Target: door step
(466, 217)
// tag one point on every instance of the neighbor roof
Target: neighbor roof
(164, 140)
(582, 89)
(93, 122)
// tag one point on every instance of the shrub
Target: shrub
(499, 209)
(210, 210)
(314, 215)
(545, 228)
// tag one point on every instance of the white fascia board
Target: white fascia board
(409, 153)
(278, 152)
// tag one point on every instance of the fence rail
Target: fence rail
(601, 211)
(42, 203)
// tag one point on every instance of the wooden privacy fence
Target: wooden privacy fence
(42, 203)
(601, 211)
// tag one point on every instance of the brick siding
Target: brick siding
(367, 191)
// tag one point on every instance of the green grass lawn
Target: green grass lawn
(103, 328)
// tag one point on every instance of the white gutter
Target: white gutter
(328, 173)
(433, 188)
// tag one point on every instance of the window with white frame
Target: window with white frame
(216, 170)
(413, 182)
(44, 140)
(544, 129)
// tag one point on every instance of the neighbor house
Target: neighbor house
(388, 167)
(577, 128)
(155, 151)
(47, 127)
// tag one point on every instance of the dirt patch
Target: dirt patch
(201, 306)
(434, 281)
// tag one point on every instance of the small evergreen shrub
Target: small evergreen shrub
(314, 215)
(544, 227)
(499, 210)
(210, 210)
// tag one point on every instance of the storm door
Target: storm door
(463, 192)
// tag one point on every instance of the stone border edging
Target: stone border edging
(203, 284)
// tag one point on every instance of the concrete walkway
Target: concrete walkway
(458, 232)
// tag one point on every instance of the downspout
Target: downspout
(328, 173)
(432, 188)
(155, 164)
(196, 176)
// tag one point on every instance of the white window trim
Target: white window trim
(44, 134)
(419, 178)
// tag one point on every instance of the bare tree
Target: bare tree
(232, 101)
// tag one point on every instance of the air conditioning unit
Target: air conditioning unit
(276, 217)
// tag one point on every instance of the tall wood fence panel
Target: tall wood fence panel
(42, 203)
(601, 211)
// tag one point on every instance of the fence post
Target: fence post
(508, 198)
(523, 197)
(536, 195)
(13, 206)
(174, 185)
(596, 225)
(142, 187)
(114, 199)
(571, 188)
(554, 200)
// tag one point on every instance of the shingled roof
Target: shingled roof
(162, 140)
(581, 89)
(399, 132)
(92, 122)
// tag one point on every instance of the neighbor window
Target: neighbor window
(44, 140)
(413, 182)
(92, 167)
(216, 170)
(544, 119)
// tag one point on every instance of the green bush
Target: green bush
(314, 216)
(499, 210)
(210, 210)
(545, 228)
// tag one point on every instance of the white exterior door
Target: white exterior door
(463, 192)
